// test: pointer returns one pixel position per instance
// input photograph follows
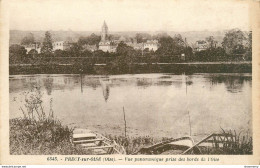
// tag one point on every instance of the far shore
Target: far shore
(135, 68)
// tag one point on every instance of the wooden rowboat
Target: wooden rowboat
(96, 143)
(217, 141)
(169, 147)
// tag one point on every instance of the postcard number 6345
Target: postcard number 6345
(52, 159)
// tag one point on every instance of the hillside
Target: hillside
(192, 36)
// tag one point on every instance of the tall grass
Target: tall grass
(38, 131)
(242, 143)
(134, 144)
(33, 106)
(239, 144)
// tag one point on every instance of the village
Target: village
(142, 42)
(109, 44)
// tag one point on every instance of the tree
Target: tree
(99, 53)
(171, 46)
(233, 42)
(210, 54)
(249, 46)
(47, 44)
(142, 37)
(211, 41)
(75, 50)
(125, 59)
(179, 44)
(16, 53)
(86, 53)
(59, 53)
(28, 39)
(166, 46)
(90, 40)
(32, 53)
(250, 41)
(124, 50)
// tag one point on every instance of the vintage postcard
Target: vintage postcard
(130, 82)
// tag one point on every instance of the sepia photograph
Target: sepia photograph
(122, 77)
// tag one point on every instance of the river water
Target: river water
(159, 105)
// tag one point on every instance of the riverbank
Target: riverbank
(111, 69)
(49, 137)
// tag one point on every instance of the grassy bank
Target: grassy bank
(50, 137)
(130, 69)
(28, 137)
(38, 132)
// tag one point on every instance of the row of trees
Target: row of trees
(236, 44)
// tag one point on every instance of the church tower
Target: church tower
(105, 44)
(104, 34)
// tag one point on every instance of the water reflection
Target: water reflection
(153, 102)
(105, 88)
(233, 84)
(92, 82)
(144, 82)
(48, 84)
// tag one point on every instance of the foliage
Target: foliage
(240, 144)
(134, 144)
(47, 44)
(211, 41)
(249, 48)
(60, 53)
(32, 53)
(99, 53)
(48, 137)
(124, 50)
(16, 53)
(74, 50)
(233, 42)
(171, 46)
(210, 54)
(84, 66)
(143, 37)
(33, 106)
(28, 39)
(90, 40)
(17, 49)
(166, 48)
(87, 53)
(38, 132)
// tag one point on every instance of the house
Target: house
(60, 45)
(35, 46)
(136, 46)
(201, 45)
(152, 45)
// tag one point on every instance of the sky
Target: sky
(128, 15)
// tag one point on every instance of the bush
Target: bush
(38, 132)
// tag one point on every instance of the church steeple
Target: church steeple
(104, 24)
(104, 33)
